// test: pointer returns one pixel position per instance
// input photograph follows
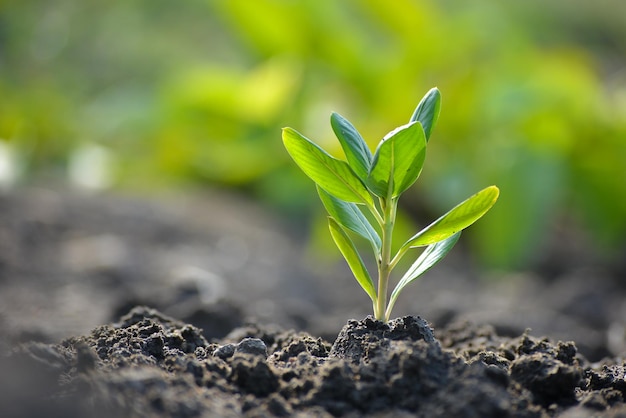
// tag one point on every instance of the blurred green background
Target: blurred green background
(155, 94)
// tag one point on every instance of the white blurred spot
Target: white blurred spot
(8, 165)
(90, 167)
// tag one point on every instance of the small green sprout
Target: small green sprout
(371, 184)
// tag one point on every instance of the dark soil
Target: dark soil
(221, 341)
(149, 364)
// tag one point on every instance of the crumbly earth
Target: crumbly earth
(186, 307)
(149, 364)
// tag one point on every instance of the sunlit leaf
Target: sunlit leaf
(350, 217)
(398, 161)
(333, 175)
(427, 111)
(431, 255)
(457, 219)
(349, 252)
(357, 152)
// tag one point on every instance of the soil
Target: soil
(206, 306)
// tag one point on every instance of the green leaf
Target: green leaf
(431, 255)
(457, 219)
(350, 217)
(333, 175)
(349, 252)
(398, 161)
(357, 152)
(427, 111)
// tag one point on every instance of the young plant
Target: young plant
(372, 184)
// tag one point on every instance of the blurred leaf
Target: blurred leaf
(254, 96)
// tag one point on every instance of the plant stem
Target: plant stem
(384, 262)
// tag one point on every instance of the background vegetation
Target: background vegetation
(151, 94)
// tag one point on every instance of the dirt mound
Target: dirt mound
(149, 364)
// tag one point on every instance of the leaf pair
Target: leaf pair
(358, 153)
(393, 168)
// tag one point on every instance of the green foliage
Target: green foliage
(350, 217)
(333, 175)
(192, 93)
(460, 217)
(376, 183)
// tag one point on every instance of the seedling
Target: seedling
(371, 184)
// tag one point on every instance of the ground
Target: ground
(205, 305)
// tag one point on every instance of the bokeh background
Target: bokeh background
(150, 95)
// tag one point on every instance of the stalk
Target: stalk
(384, 262)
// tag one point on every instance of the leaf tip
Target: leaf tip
(495, 191)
